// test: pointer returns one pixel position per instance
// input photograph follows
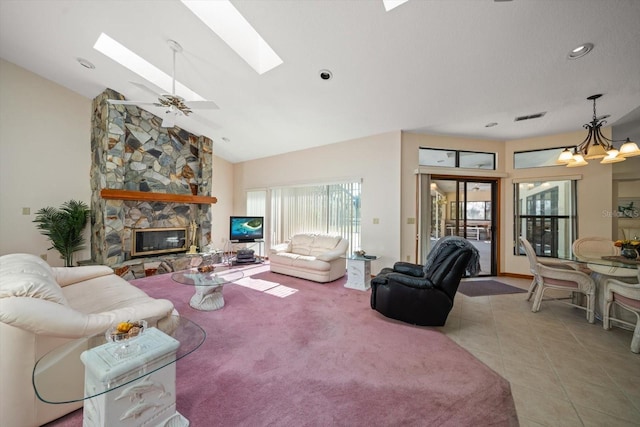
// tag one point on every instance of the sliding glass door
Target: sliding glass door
(464, 207)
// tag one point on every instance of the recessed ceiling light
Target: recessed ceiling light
(580, 51)
(85, 63)
(490, 125)
(225, 20)
(141, 67)
(326, 74)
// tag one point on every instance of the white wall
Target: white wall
(374, 159)
(44, 156)
(222, 189)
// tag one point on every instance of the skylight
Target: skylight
(225, 20)
(392, 4)
(141, 67)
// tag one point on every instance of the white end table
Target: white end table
(359, 272)
(148, 400)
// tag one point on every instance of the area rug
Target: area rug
(322, 357)
(479, 288)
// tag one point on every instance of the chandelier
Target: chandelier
(596, 145)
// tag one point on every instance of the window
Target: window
(536, 158)
(480, 211)
(330, 208)
(545, 214)
(456, 158)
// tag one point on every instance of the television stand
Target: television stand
(234, 249)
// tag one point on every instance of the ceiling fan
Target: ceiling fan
(175, 105)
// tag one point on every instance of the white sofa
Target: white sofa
(317, 257)
(42, 308)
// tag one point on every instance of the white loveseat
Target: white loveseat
(42, 308)
(317, 257)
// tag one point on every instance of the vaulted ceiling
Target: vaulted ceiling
(432, 66)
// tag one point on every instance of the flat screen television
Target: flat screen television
(246, 228)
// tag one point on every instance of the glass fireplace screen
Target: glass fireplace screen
(151, 241)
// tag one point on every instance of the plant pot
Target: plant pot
(629, 253)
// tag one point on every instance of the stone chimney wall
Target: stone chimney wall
(131, 151)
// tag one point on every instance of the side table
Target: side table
(359, 272)
(149, 400)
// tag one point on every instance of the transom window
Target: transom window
(456, 158)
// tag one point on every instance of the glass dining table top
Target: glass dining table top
(58, 376)
(617, 261)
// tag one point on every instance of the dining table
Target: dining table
(603, 268)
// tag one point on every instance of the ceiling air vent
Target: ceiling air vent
(529, 117)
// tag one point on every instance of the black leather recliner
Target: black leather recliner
(423, 295)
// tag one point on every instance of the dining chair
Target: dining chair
(533, 262)
(568, 280)
(594, 247)
(627, 296)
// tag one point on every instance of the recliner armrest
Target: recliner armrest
(415, 270)
(411, 281)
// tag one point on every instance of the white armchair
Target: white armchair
(42, 308)
(627, 296)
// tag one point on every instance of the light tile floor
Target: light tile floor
(563, 370)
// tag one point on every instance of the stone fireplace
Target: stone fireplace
(144, 176)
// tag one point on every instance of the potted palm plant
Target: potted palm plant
(64, 227)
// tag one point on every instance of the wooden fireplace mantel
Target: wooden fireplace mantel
(111, 194)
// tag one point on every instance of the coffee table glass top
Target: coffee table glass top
(220, 275)
(58, 376)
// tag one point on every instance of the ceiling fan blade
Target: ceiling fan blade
(119, 102)
(203, 105)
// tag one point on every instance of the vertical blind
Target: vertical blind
(332, 208)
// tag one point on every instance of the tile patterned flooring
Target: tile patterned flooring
(563, 370)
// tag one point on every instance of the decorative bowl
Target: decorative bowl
(124, 331)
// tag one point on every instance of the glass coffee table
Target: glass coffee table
(208, 283)
(57, 376)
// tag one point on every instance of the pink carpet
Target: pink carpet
(322, 357)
